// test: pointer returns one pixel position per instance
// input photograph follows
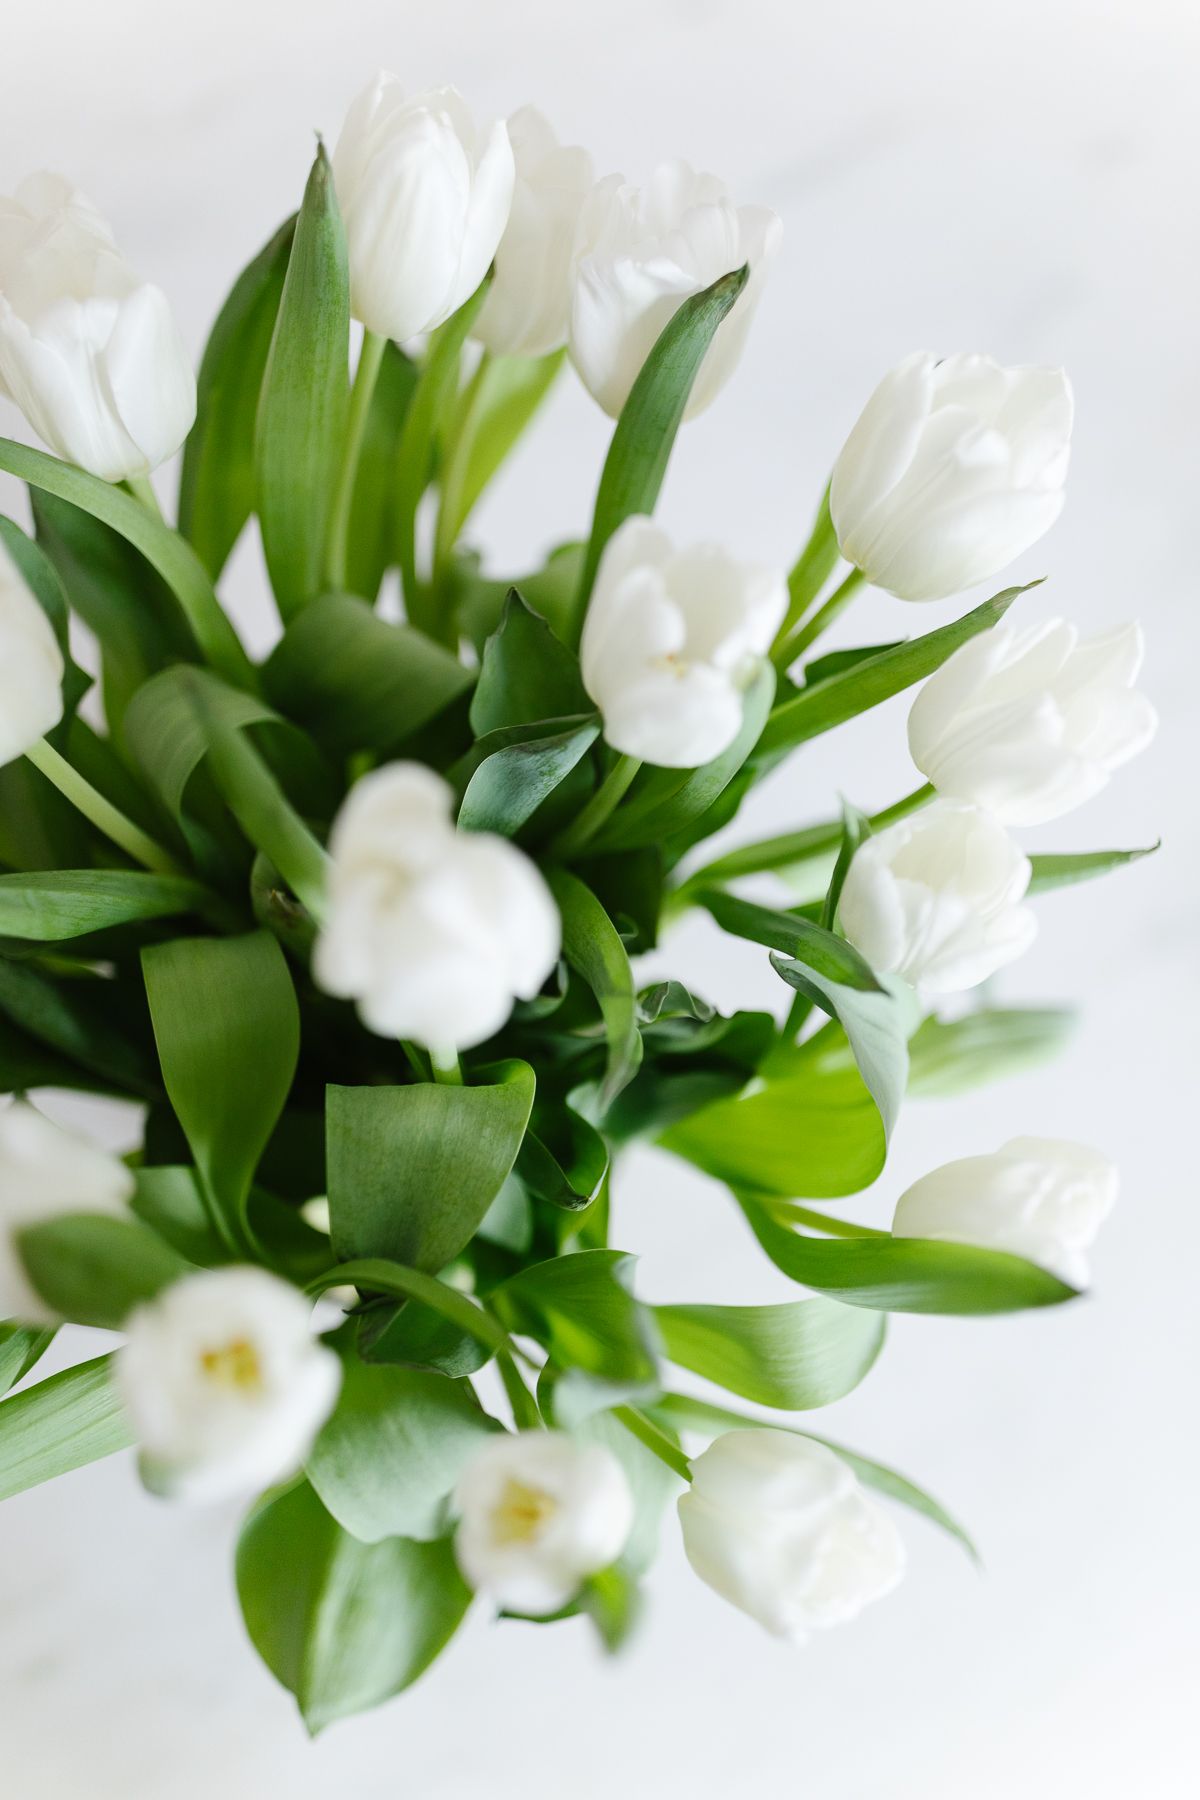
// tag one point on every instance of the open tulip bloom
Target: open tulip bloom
(359, 926)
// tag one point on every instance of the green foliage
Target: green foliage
(602, 1343)
(94, 1270)
(796, 1356)
(59, 1425)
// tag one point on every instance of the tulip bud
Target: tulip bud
(936, 899)
(641, 253)
(434, 932)
(781, 1528)
(31, 666)
(1030, 723)
(539, 1513)
(90, 353)
(424, 199)
(1041, 1198)
(224, 1383)
(671, 639)
(46, 1172)
(954, 468)
(526, 308)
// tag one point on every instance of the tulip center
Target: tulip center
(233, 1365)
(522, 1513)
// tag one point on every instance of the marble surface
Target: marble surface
(1019, 177)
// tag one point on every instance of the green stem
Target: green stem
(787, 1212)
(446, 1068)
(526, 1416)
(416, 1061)
(375, 1275)
(453, 475)
(599, 809)
(365, 376)
(141, 488)
(787, 652)
(101, 812)
(811, 571)
(655, 1439)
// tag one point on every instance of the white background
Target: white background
(1019, 177)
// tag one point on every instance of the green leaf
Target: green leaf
(375, 1275)
(413, 1170)
(25, 1064)
(228, 1032)
(792, 848)
(217, 481)
(164, 549)
(526, 673)
(371, 539)
(60, 1424)
(602, 1342)
(813, 566)
(550, 591)
(593, 948)
(21, 1346)
(841, 697)
(357, 682)
(803, 1354)
(501, 402)
(88, 1019)
(343, 1625)
(663, 802)
(1064, 871)
(652, 1483)
(952, 1056)
(645, 432)
(167, 732)
(301, 425)
(699, 1415)
(904, 1274)
(93, 1270)
(563, 1159)
(509, 785)
(66, 903)
(813, 1132)
(396, 1443)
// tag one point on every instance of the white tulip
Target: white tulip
(527, 305)
(47, 1172)
(1030, 723)
(954, 468)
(424, 198)
(671, 639)
(434, 932)
(224, 1383)
(781, 1528)
(1041, 1198)
(936, 899)
(641, 253)
(538, 1514)
(31, 666)
(90, 353)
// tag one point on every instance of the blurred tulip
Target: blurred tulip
(31, 666)
(46, 1172)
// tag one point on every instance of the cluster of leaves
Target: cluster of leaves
(472, 1220)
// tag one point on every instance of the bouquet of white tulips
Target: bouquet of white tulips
(358, 928)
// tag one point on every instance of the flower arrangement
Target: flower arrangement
(358, 927)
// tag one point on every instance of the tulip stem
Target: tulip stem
(655, 1440)
(366, 375)
(599, 809)
(786, 653)
(526, 1416)
(101, 812)
(787, 1212)
(446, 1068)
(142, 489)
(452, 479)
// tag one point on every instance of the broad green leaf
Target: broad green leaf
(802, 1354)
(166, 731)
(301, 425)
(413, 1170)
(816, 1133)
(357, 682)
(563, 1159)
(645, 432)
(526, 675)
(90, 1020)
(1064, 871)
(21, 1346)
(93, 1270)
(60, 1424)
(508, 787)
(228, 1032)
(343, 1625)
(57, 904)
(164, 549)
(904, 1274)
(818, 709)
(393, 1448)
(550, 591)
(602, 1343)
(376, 1275)
(499, 404)
(700, 1415)
(593, 948)
(663, 802)
(216, 482)
(952, 1056)
(371, 539)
